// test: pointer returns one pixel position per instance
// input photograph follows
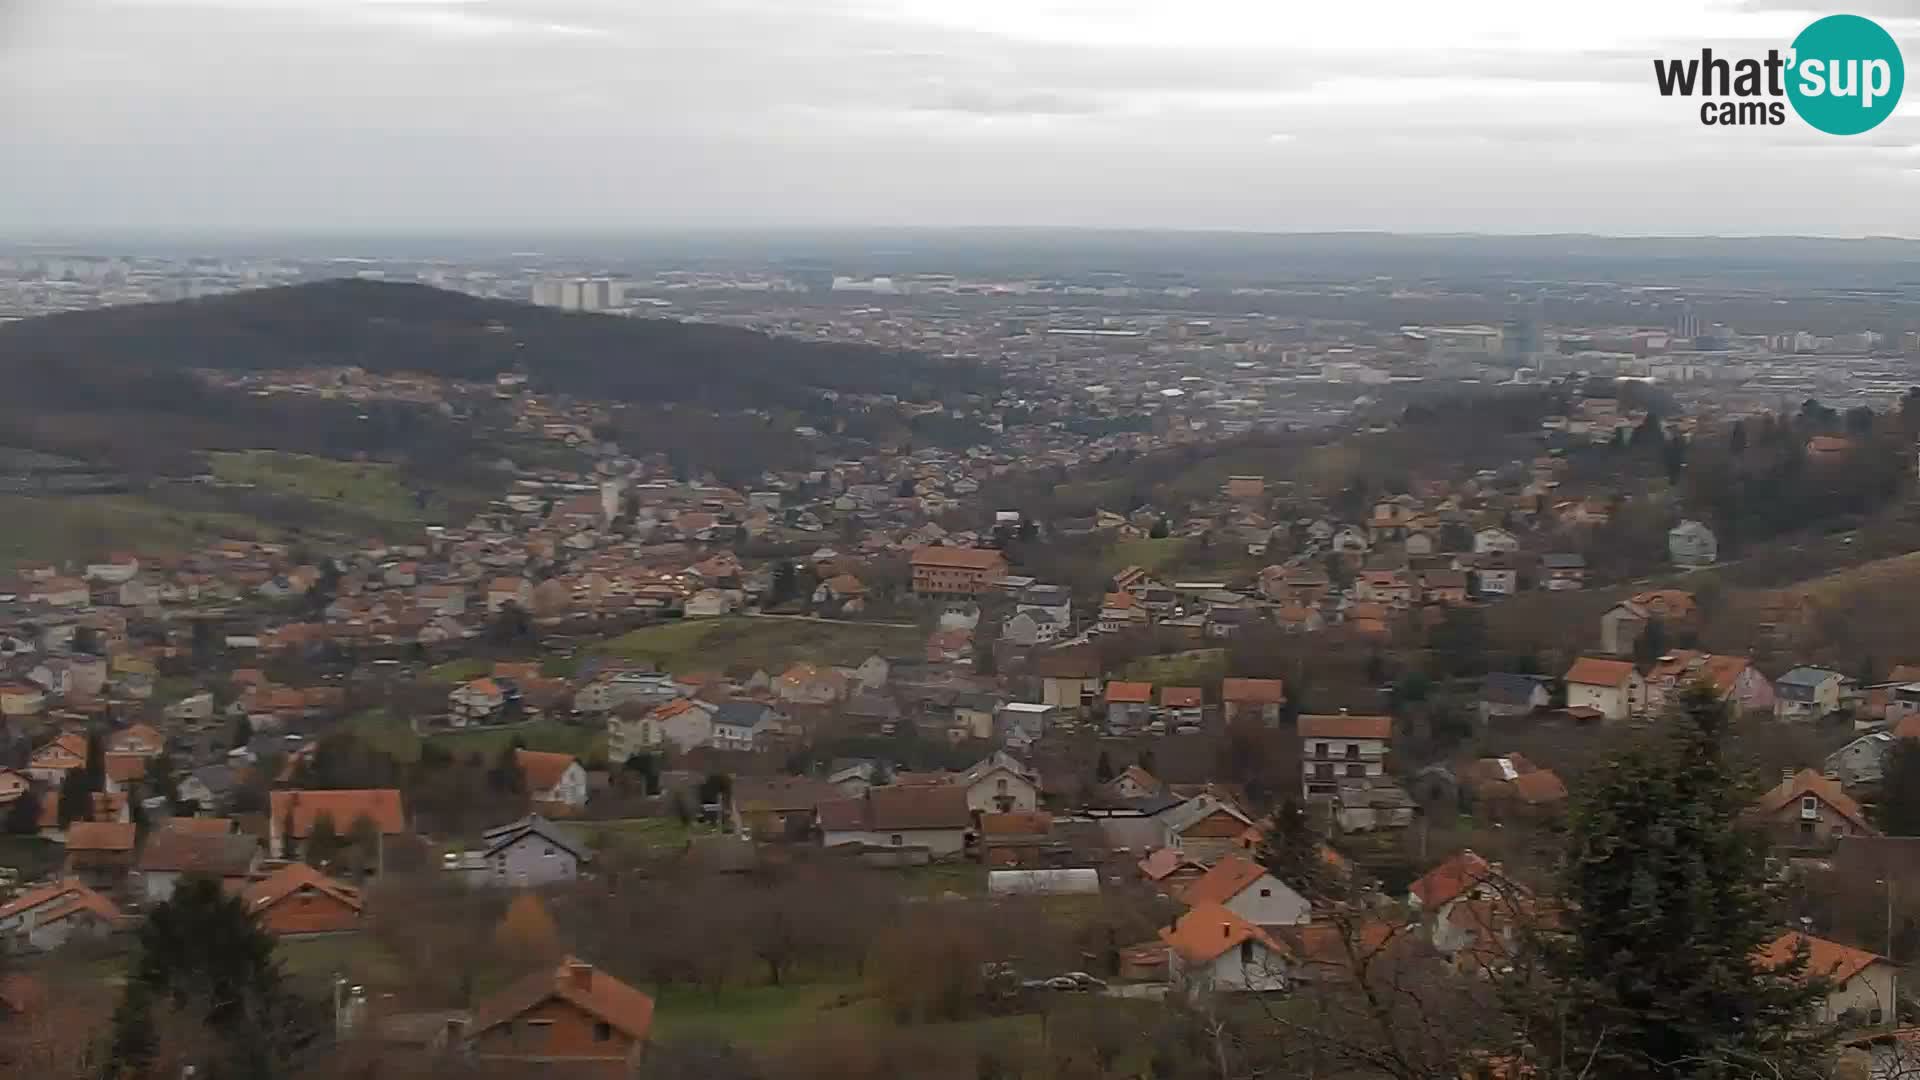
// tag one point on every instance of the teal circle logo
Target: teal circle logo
(1846, 75)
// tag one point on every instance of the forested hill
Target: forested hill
(390, 327)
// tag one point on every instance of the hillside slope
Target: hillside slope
(388, 327)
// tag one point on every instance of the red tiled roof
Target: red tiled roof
(381, 805)
(1253, 691)
(1345, 726)
(1228, 878)
(1205, 933)
(1810, 782)
(1825, 959)
(1592, 671)
(543, 770)
(1456, 875)
(1130, 693)
(594, 992)
(290, 879)
(102, 836)
(959, 558)
(1179, 697)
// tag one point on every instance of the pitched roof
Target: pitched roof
(1253, 691)
(56, 891)
(781, 794)
(1130, 693)
(899, 806)
(1593, 671)
(1166, 862)
(1810, 782)
(122, 768)
(1205, 933)
(594, 992)
(1539, 787)
(1502, 688)
(382, 805)
(502, 836)
(1825, 959)
(542, 769)
(291, 879)
(1456, 875)
(104, 836)
(189, 851)
(959, 558)
(1180, 697)
(1345, 726)
(1228, 878)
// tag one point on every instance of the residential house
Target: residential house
(1171, 870)
(1029, 629)
(1508, 695)
(100, 853)
(1490, 541)
(1808, 810)
(779, 807)
(1132, 782)
(1245, 888)
(935, 817)
(21, 699)
(1861, 761)
(1212, 950)
(172, 853)
(1129, 706)
(1181, 707)
(1511, 787)
(1001, 784)
(567, 1015)
(529, 853)
(13, 786)
(476, 702)
(1560, 572)
(46, 917)
(1392, 588)
(297, 900)
(1733, 679)
(1692, 545)
(956, 571)
(139, 739)
(50, 763)
(208, 787)
(1069, 677)
(553, 780)
(1204, 826)
(1018, 839)
(808, 684)
(1443, 586)
(683, 723)
(1019, 724)
(1862, 982)
(502, 591)
(1462, 876)
(1336, 747)
(741, 726)
(1496, 575)
(1252, 701)
(1613, 687)
(293, 812)
(1808, 693)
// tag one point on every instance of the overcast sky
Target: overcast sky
(1416, 115)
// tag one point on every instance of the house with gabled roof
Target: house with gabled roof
(1129, 705)
(528, 853)
(174, 851)
(553, 780)
(1807, 810)
(1252, 700)
(293, 812)
(297, 900)
(569, 1015)
(48, 916)
(1342, 746)
(1247, 889)
(1212, 950)
(1860, 983)
(935, 817)
(1613, 687)
(1808, 693)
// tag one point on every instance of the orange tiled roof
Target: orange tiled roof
(1825, 959)
(1205, 933)
(592, 991)
(1345, 726)
(543, 770)
(1592, 671)
(1228, 878)
(381, 805)
(1810, 782)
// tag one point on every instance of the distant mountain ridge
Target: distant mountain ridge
(389, 327)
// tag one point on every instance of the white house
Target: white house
(1807, 693)
(475, 702)
(1691, 545)
(934, 817)
(1861, 761)
(1863, 982)
(1212, 949)
(1246, 889)
(1492, 541)
(1335, 747)
(1613, 687)
(556, 779)
(1000, 784)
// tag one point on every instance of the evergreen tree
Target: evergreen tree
(1667, 909)
(23, 814)
(96, 766)
(201, 951)
(323, 842)
(1897, 811)
(76, 798)
(1290, 850)
(1737, 439)
(363, 836)
(1103, 768)
(1146, 760)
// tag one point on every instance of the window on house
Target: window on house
(548, 853)
(602, 1032)
(1806, 828)
(1319, 749)
(1246, 953)
(1353, 750)
(895, 840)
(1356, 770)
(1266, 894)
(1000, 786)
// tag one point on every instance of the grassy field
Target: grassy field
(75, 527)
(765, 1017)
(1148, 555)
(1195, 667)
(637, 836)
(373, 489)
(772, 644)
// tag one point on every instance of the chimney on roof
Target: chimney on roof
(580, 975)
(1786, 774)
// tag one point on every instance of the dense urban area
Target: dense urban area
(1334, 661)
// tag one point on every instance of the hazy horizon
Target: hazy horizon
(1500, 117)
